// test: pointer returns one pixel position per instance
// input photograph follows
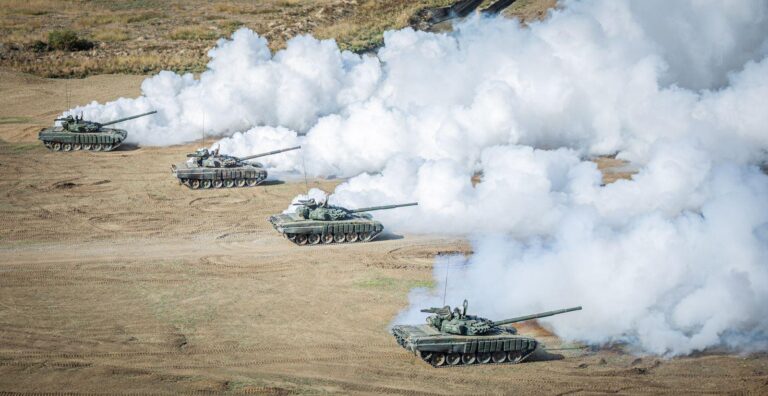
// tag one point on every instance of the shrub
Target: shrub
(39, 46)
(68, 40)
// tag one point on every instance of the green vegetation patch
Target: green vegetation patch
(68, 40)
(24, 147)
(387, 283)
(14, 120)
(193, 33)
(111, 35)
(229, 27)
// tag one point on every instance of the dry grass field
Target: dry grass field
(114, 279)
(146, 36)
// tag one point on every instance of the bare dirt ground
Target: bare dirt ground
(114, 279)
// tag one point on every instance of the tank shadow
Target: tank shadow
(127, 147)
(271, 183)
(388, 237)
(542, 355)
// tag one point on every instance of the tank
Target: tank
(209, 169)
(75, 134)
(313, 223)
(454, 338)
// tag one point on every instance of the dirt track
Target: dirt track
(115, 279)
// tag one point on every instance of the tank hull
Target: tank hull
(58, 139)
(439, 349)
(240, 176)
(359, 228)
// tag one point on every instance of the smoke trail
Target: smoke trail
(672, 261)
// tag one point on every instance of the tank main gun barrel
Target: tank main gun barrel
(372, 208)
(535, 316)
(127, 118)
(269, 153)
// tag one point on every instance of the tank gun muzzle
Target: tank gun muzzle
(535, 316)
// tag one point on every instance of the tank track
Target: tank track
(196, 184)
(439, 359)
(327, 239)
(57, 146)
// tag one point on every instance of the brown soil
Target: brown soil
(115, 279)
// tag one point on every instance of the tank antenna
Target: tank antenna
(304, 168)
(445, 285)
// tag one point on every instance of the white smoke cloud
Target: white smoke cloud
(672, 261)
(245, 86)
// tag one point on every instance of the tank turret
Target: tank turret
(77, 124)
(312, 210)
(454, 337)
(458, 322)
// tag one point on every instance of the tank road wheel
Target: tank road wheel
(468, 358)
(218, 183)
(56, 146)
(301, 239)
(240, 182)
(515, 356)
(206, 184)
(425, 356)
(77, 147)
(106, 147)
(365, 236)
(87, 146)
(97, 147)
(252, 182)
(66, 147)
(339, 238)
(351, 237)
(291, 237)
(327, 238)
(483, 357)
(499, 356)
(313, 239)
(453, 359)
(229, 183)
(438, 359)
(194, 184)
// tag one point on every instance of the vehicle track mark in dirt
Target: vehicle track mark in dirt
(221, 203)
(420, 256)
(127, 222)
